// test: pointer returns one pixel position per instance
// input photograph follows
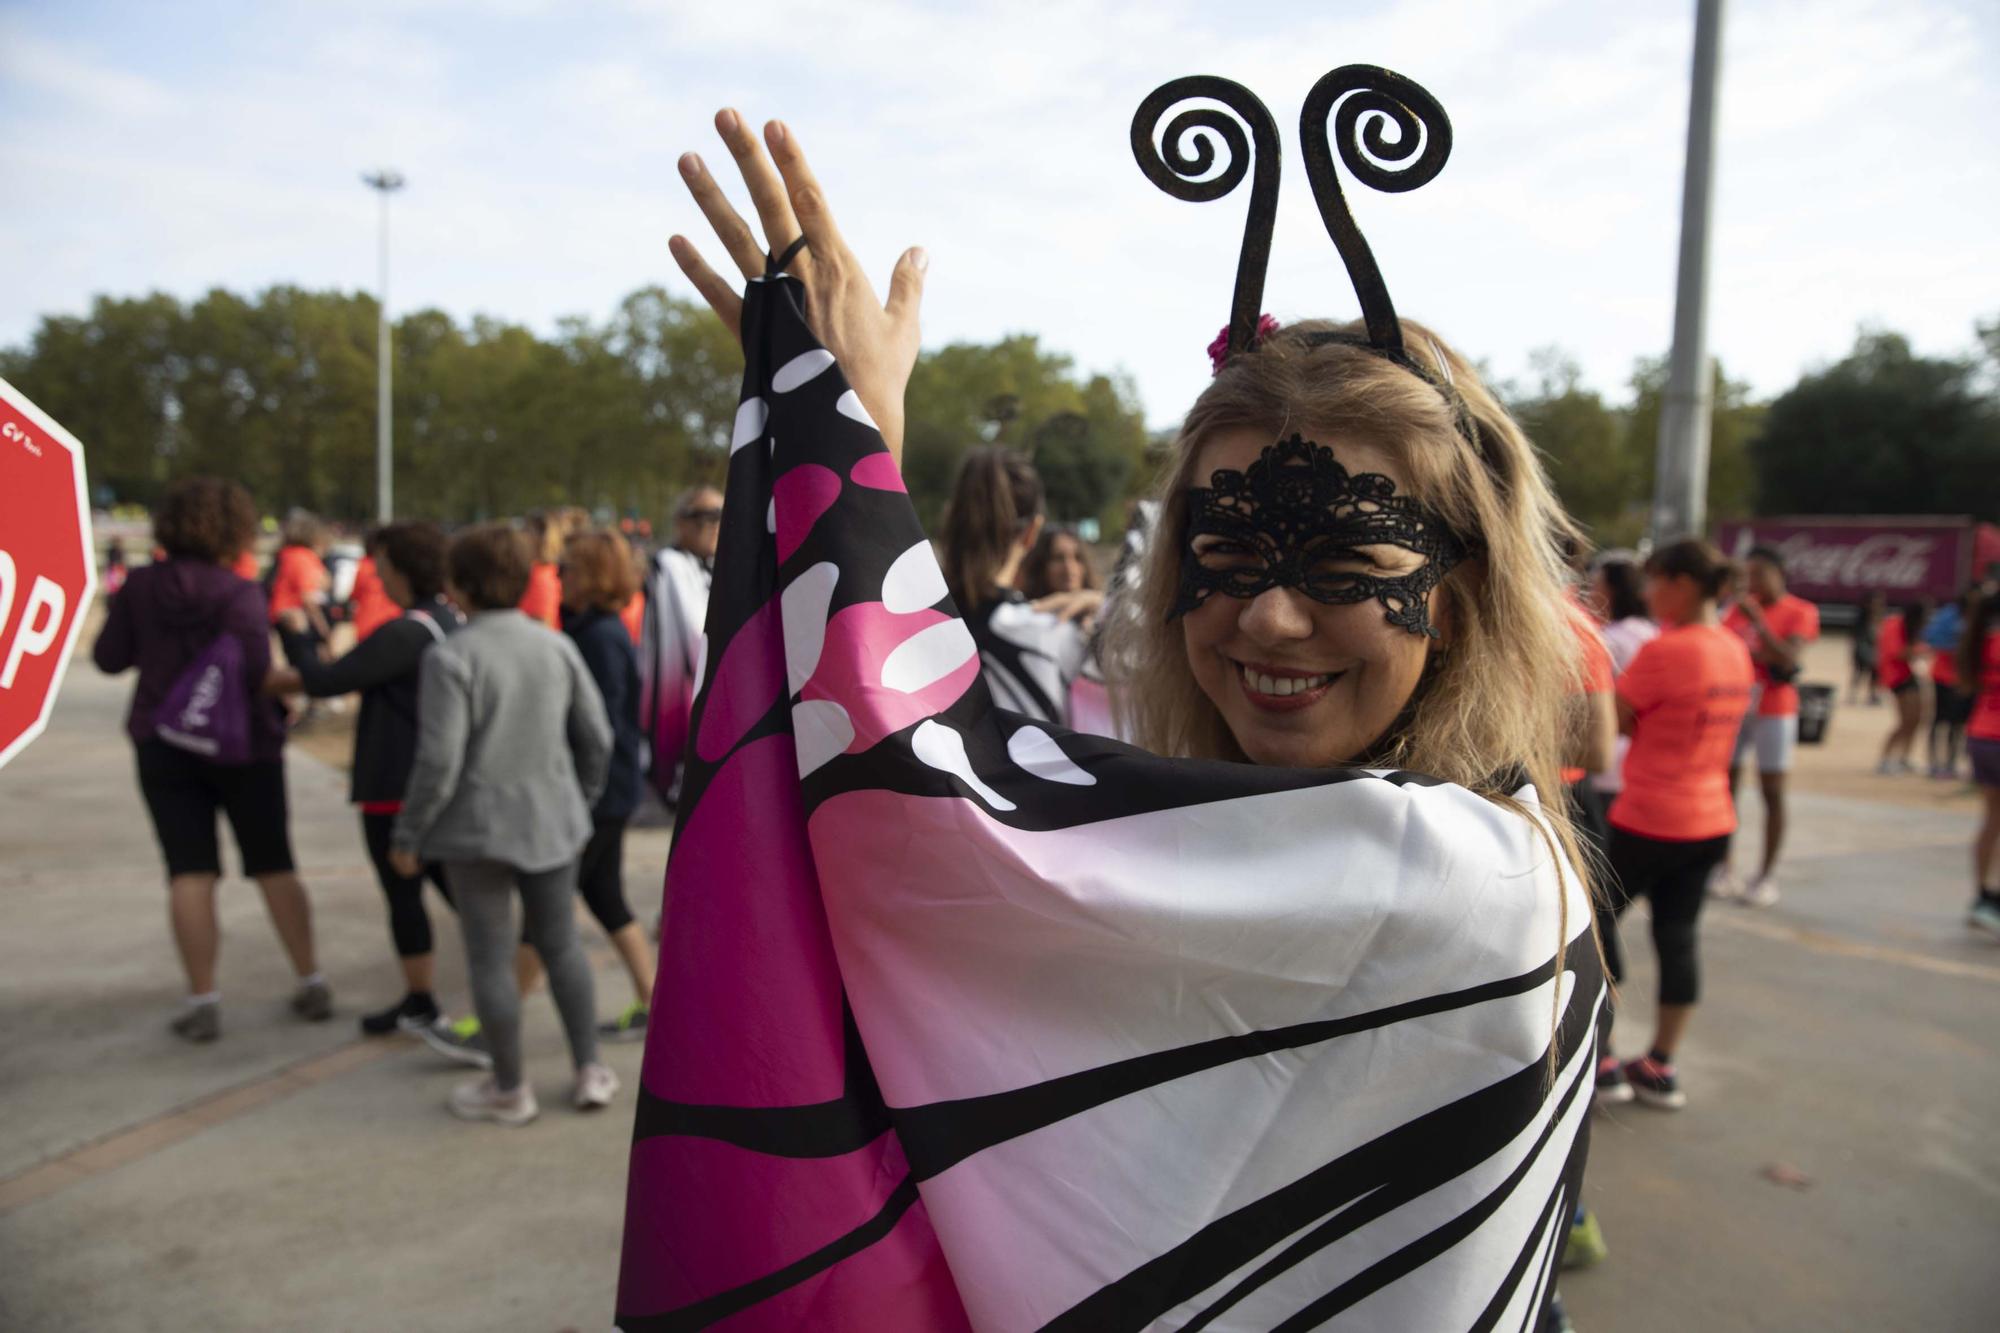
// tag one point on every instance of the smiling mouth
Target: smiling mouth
(1276, 689)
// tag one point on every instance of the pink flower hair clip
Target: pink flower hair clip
(1218, 351)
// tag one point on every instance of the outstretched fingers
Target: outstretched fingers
(730, 229)
(806, 199)
(720, 295)
(906, 287)
(767, 191)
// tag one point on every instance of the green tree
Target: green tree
(1585, 443)
(1734, 420)
(1882, 431)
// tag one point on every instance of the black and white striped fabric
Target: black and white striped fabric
(968, 1021)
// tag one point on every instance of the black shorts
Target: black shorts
(1954, 706)
(183, 793)
(1906, 686)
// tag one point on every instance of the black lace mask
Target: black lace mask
(1298, 519)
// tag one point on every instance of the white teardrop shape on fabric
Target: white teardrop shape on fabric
(914, 581)
(850, 406)
(751, 414)
(802, 606)
(821, 729)
(771, 516)
(944, 749)
(800, 369)
(701, 664)
(1035, 752)
(928, 656)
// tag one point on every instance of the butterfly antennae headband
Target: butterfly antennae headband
(1362, 104)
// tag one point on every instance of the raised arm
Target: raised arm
(391, 651)
(875, 342)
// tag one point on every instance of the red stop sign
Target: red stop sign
(48, 567)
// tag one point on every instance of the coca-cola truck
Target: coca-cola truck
(1844, 561)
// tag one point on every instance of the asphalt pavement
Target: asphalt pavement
(1838, 1167)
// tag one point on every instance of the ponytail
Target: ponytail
(1708, 567)
(996, 497)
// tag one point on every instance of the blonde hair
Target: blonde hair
(1496, 697)
(548, 529)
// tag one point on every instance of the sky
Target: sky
(197, 145)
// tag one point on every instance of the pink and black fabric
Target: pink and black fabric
(670, 660)
(968, 1021)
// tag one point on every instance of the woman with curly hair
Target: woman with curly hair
(173, 616)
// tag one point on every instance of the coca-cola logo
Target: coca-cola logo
(1891, 561)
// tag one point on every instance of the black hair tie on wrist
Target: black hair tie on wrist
(774, 267)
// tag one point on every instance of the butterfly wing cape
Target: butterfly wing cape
(965, 1020)
(669, 657)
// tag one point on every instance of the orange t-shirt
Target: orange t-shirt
(1892, 651)
(543, 599)
(244, 568)
(300, 578)
(1985, 722)
(1597, 671)
(1787, 616)
(372, 607)
(1944, 667)
(634, 616)
(1689, 689)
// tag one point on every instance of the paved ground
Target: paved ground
(293, 1177)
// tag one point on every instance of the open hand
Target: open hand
(407, 864)
(874, 342)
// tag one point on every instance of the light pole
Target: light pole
(1680, 487)
(384, 182)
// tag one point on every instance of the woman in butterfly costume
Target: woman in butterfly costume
(969, 1021)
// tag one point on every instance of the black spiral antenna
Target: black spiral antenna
(1364, 103)
(1185, 156)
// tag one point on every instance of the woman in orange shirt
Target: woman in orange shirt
(1898, 647)
(298, 581)
(548, 529)
(1682, 701)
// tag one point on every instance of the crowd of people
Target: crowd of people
(499, 752)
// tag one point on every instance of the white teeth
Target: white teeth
(1279, 686)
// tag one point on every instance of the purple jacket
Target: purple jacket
(161, 620)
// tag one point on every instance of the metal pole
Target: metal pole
(383, 182)
(1680, 490)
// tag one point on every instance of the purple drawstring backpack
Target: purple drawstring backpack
(207, 712)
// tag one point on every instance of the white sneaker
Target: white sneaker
(1723, 885)
(596, 1085)
(1763, 893)
(482, 1099)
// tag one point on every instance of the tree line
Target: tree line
(491, 418)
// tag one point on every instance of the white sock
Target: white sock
(314, 980)
(208, 997)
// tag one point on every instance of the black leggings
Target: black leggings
(1674, 876)
(600, 877)
(409, 924)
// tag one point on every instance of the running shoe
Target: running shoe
(482, 1099)
(1984, 916)
(1612, 1089)
(1655, 1084)
(1763, 893)
(596, 1085)
(313, 1002)
(1586, 1248)
(1723, 885)
(1558, 1318)
(199, 1023)
(460, 1041)
(628, 1026)
(409, 1014)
